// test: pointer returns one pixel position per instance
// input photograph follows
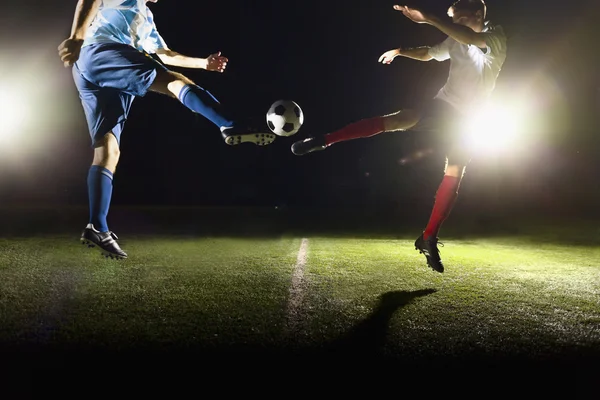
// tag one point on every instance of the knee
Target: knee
(110, 159)
(110, 147)
(170, 83)
(402, 120)
(177, 81)
(455, 170)
(113, 153)
(107, 152)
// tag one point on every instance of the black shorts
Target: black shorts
(445, 124)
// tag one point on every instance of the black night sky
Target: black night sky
(323, 55)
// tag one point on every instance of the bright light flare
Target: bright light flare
(14, 114)
(35, 110)
(494, 128)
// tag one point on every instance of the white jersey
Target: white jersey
(473, 71)
(125, 21)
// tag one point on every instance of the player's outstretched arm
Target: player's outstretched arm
(417, 53)
(85, 12)
(214, 62)
(460, 33)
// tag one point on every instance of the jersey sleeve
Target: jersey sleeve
(158, 41)
(155, 38)
(495, 43)
(441, 51)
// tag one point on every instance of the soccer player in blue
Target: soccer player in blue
(477, 51)
(117, 54)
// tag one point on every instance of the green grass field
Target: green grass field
(525, 300)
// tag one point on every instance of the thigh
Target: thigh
(118, 66)
(458, 154)
(437, 116)
(106, 109)
(442, 126)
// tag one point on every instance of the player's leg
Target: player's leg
(197, 99)
(446, 122)
(100, 179)
(106, 110)
(445, 198)
(100, 187)
(399, 121)
(200, 101)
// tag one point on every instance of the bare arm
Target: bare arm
(85, 12)
(175, 59)
(214, 62)
(417, 53)
(460, 33)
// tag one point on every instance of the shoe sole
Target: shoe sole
(259, 139)
(106, 254)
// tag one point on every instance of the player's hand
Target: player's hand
(388, 56)
(69, 51)
(413, 14)
(216, 62)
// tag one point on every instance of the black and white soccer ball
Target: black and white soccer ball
(285, 118)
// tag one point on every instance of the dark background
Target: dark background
(323, 55)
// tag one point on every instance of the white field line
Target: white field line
(296, 289)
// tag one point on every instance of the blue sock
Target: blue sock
(201, 101)
(100, 184)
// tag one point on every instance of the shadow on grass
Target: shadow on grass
(369, 336)
(359, 349)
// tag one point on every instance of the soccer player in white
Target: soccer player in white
(117, 55)
(477, 51)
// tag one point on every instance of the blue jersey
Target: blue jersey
(128, 22)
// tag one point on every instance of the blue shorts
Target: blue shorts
(446, 124)
(108, 77)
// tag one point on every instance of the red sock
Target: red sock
(361, 129)
(444, 200)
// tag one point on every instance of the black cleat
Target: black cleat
(106, 242)
(309, 145)
(236, 135)
(432, 254)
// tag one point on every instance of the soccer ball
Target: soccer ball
(285, 118)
